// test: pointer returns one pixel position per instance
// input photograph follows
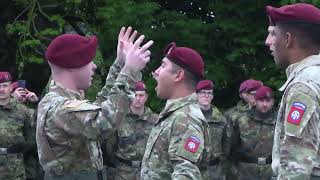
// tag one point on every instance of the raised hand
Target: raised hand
(138, 56)
(125, 42)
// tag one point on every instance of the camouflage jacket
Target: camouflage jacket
(69, 127)
(176, 143)
(253, 136)
(133, 133)
(219, 135)
(17, 124)
(236, 111)
(296, 152)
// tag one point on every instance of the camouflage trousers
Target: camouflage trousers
(252, 171)
(82, 175)
(123, 172)
(12, 167)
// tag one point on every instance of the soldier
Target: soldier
(132, 136)
(16, 132)
(69, 127)
(219, 132)
(176, 143)
(246, 93)
(254, 138)
(295, 46)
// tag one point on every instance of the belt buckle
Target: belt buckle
(3, 151)
(136, 164)
(262, 160)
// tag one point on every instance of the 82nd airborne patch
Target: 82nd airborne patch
(192, 144)
(296, 113)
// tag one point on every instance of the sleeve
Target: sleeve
(185, 149)
(29, 125)
(226, 137)
(298, 150)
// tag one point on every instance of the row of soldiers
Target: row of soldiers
(190, 138)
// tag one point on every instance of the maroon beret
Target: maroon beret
(186, 58)
(263, 92)
(250, 85)
(72, 50)
(205, 84)
(140, 86)
(299, 12)
(5, 77)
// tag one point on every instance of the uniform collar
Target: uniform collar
(145, 116)
(294, 69)
(267, 118)
(10, 105)
(65, 92)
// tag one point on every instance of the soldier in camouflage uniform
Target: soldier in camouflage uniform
(177, 143)
(69, 127)
(132, 136)
(17, 127)
(295, 46)
(253, 138)
(219, 132)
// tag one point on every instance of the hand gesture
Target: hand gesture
(138, 56)
(31, 96)
(125, 42)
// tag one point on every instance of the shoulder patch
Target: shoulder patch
(296, 113)
(192, 144)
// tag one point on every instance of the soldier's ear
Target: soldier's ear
(180, 75)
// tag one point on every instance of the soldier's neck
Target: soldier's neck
(137, 111)
(4, 102)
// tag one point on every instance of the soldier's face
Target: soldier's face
(83, 76)
(270, 39)
(140, 99)
(264, 105)
(250, 98)
(165, 79)
(205, 97)
(280, 48)
(5, 90)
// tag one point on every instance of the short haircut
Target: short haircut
(191, 79)
(307, 34)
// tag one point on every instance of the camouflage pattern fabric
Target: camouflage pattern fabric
(220, 144)
(176, 144)
(16, 127)
(132, 136)
(297, 137)
(252, 145)
(73, 126)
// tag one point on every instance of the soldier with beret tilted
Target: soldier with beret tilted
(219, 131)
(178, 141)
(295, 46)
(17, 132)
(68, 126)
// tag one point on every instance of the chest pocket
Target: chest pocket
(215, 134)
(11, 129)
(155, 133)
(126, 134)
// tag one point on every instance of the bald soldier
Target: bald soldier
(176, 144)
(219, 132)
(68, 126)
(17, 133)
(295, 47)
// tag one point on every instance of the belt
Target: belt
(258, 160)
(4, 151)
(214, 161)
(136, 164)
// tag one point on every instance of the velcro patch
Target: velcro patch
(296, 113)
(192, 144)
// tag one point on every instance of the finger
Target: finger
(146, 59)
(146, 53)
(137, 43)
(121, 33)
(128, 32)
(146, 46)
(133, 36)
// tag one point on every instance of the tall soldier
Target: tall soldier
(131, 137)
(295, 47)
(176, 144)
(253, 141)
(17, 127)
(219, 132)
(69, 127)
